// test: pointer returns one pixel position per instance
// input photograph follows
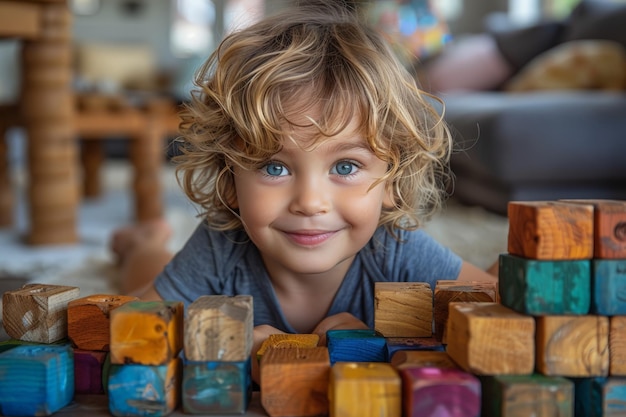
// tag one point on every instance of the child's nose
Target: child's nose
(311, 197)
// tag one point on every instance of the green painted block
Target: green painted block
(608, 287)
(539, 287)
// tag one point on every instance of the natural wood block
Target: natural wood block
(421, 358)
(448, 291)
(364, 390)
(36, 380)
(608, 287)
(617, 346)
(550, 230)
(285, 340)
(395, 344)
(37, 312)
(88, 320)
(216, 387)
(146, 332)
(573, 346)
(360, 345)
(294, 381)
(538, 287)
(144, 390)
(219, 328)
(429, 391)
(491, 339)
(403, 309)
(527, 395)
(88, 366)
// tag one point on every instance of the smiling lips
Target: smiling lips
(310, 237)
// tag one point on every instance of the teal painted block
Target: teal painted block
(36, 380)
(216, 387)
(537, 287)
(608, 287)
(359, 345)
(588, 396)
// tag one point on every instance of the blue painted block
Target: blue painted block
(395, 344)
(608, 287)
(361, 345)
(144, 390)
(36, 379)
(216, 387)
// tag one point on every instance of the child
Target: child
(316, 159)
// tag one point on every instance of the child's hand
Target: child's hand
(259, 335)
(339, 321)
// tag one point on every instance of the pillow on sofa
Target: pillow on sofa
(574, 65)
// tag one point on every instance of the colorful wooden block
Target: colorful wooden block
(88, 323)
(286, 340)
(395, 344)
(219, 328)
(440, 392)
(600, 397)
(36, 380)
(294, 381)
(362, 389)
(550, 230)
(144, 390)
(216, 387)
(491, 339)
(572, 346)
(403, 309)
(538, 287)
(360, 345)
(37, 312)
(448, 291)
(421, 358)
(88, 365)
(608, 287)
(146, 332)
(527, 395)
(617, 346)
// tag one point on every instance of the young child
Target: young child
(315, 159)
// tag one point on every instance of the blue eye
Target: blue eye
(344, 168)
(274, 169)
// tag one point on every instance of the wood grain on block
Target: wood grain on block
(362, 389)
(403, 309)
(88, 320)
(429, 391)
(88, 365)
(216, 387)
(219, 328)
(294, 381)
(285, 340)
(360, 345)
(550, 230)
(395, 344)
(37, 312)
(608, 287)
(421, 358)
(540, 287)
(146, 332)
(573, 346)
(448, 291)
(491, 339)
(527, 395)
(144, 390)
(36, 380)
(617, 346)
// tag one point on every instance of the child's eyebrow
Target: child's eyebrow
(349, 146)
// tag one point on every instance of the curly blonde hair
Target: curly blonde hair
(239, 114)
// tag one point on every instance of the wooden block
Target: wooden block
(609, 228)
(421, 358)
(219, 328)
(146, 332)
(550, 230)
(448, 291)
(491, 339)
(538, 287)
(617, 346)
(395, 344)
(429, 391)
(36, 380)
(361, 345)
(88, 323)
(294, 381)
(37, 312)
(285, 340)
(573, 346)
(364, 390)
(608, 287)
(88, 371)
(144, 390)
(403, 309)
(216, 387)
(600, 396)
(527, 395)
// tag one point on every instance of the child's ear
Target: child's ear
(389, 200)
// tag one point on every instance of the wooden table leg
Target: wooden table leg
(7, 194)
(92, 156)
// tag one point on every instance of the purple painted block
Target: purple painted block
(435, 392)
(88, 371)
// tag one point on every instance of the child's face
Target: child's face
(310, 211)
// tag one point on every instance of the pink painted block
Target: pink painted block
(435, 392)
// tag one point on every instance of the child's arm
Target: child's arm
(471, 272)
(338, 321)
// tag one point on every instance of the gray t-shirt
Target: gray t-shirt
(227, 263)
